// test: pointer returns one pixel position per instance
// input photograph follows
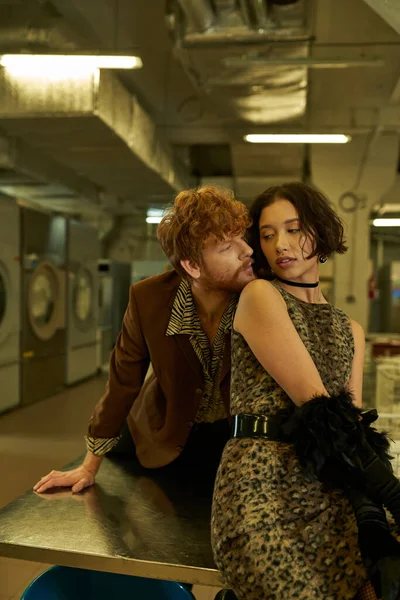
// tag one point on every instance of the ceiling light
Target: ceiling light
(155, 212)
(154, 215)
(296, 138)
(46, 64)
(386, 222)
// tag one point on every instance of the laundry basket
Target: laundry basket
(66, 583)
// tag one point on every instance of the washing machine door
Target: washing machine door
(4, 301)
(45, 298)
(83, 299)
(8, 320)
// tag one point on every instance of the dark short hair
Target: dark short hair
(318, 221)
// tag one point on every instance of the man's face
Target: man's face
(227, 264)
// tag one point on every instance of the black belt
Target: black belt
(261, 426)
(257, 426)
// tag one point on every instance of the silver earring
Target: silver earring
(322, 259)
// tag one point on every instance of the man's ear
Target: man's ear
(191, 268)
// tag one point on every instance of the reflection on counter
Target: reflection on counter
(132, 522)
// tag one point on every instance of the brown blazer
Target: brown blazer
(161, 408)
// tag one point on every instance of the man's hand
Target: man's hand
(77, 479)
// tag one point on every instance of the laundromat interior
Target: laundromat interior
(90, 157)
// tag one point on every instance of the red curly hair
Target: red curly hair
(193, 217)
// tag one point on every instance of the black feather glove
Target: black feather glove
(329, 434)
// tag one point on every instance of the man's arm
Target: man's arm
(129, 364)
(128, 367)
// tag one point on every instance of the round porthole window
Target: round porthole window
(42, 299)
(44, 294)
(3, 298)
(83, 297)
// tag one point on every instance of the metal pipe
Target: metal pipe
(199, 14)
(316, 63)
(243, 36)
(255, 13)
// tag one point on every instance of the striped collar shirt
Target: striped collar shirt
(185, 321)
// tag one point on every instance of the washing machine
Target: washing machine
(82, 306)
(43, 287)
(9, 304)
(115, 279)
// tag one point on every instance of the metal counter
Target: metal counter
(136, 522)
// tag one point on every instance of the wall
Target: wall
(334, 170)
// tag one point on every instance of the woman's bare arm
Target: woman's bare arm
(356, 378)
(263, 320)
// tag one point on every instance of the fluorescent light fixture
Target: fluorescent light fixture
(155, 212)
(154, 215)
(46, 64)
(386, 222)
(297, 138)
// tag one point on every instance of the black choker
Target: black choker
(303, 285)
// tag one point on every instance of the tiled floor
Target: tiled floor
(34, 440)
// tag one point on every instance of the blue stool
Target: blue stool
(66, 583)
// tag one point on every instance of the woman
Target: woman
(278, 532)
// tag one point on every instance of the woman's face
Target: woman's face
(284, 244)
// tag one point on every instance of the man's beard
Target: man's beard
(220, 282)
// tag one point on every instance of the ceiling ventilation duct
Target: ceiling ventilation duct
(96, 128)
(33, 38)
(33, 26)
(388, 10)
(207, 38)
(27, 174)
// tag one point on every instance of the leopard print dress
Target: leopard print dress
(276, 534)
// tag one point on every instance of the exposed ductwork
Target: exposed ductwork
(33, 26)
(195, 23)
(218, 51)
(199, 14)
(30, 175)
(388, 10)
(28, 37)
(255, 13)
(94, 127)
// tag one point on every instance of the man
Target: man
(180, 323)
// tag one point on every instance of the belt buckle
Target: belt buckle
(261, 425)
(250, 426)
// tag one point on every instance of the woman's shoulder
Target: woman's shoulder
(259, 297)
(260, 289)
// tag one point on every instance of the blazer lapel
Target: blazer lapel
(183, 343)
